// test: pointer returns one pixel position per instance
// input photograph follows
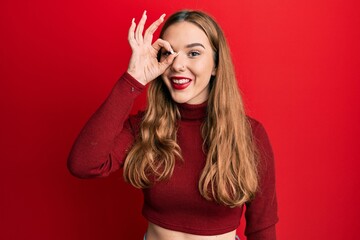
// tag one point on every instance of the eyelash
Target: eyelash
(191, 54)
(165, 53)
(197, 53)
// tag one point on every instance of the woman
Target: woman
(198, 158)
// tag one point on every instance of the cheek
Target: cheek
(203, 69)
(206, 65)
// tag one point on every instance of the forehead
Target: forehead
(185, 33)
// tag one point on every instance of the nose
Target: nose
(179, 63)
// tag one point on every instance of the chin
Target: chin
(179, 100)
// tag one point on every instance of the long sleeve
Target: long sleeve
(261, 213)
(101, 146)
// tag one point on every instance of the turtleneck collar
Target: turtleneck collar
(193, 111)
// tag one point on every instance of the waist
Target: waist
(155, 232)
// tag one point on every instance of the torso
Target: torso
(176, 204)
(155, 232)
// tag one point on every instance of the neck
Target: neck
(193, 111)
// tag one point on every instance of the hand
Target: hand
(144, 65)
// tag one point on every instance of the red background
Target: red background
(297, 63)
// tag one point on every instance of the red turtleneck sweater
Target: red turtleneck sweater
(175, 204)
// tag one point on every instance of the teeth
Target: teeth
(180, 81)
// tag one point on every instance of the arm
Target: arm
(261, 213)
(101, 145)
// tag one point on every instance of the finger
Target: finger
(140, 28)
(152, 28)
(160, 43)
(163, 65)
(131, 35)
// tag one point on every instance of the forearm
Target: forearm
(91, 154)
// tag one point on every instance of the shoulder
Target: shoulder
(254, 123)
(257, 128)
(261, 139)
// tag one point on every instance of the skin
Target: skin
(193, 60)
(194, 64)
(143, 65)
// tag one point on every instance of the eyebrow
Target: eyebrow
(194, 45)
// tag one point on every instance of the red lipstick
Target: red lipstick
(180, 83)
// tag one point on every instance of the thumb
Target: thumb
(168, 61)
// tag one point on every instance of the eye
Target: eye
(194, 53)
(165, 53)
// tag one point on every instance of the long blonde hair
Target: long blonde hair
(230, 174)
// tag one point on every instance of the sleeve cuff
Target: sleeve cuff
(136, 85)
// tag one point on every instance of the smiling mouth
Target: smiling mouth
(179, 83)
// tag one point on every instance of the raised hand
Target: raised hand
(144, 65)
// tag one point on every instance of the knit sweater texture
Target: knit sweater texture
(175, 204)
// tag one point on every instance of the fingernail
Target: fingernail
(172, 51)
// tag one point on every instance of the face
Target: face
(188, 77)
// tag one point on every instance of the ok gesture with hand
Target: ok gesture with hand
(144, 65)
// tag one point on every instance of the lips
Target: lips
(180, 83)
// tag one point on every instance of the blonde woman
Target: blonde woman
(195, 153)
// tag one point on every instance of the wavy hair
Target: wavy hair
(230, 174)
